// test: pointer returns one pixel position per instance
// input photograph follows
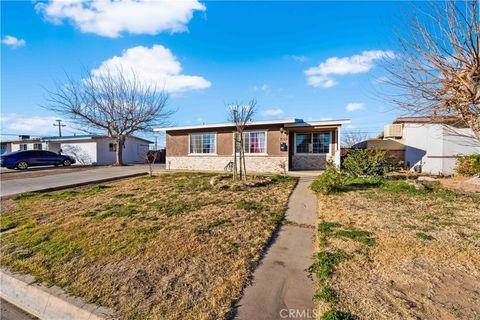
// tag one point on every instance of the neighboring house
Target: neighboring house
(431, 145)
(270, 146)
(87, 149)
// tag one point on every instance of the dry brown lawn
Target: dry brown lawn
(422, 260)
(168, 247)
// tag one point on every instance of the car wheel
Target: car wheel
(22, 165)
(67, 163)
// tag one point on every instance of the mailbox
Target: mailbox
(283, 146)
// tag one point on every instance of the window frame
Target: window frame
(250, 153)
(114, 148)
(201, 134)
(22, 149)
(311, 142)
(38, 144)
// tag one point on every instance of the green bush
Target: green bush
(367, 163)
(468, 165)
(331, 180)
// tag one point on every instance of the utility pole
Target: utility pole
(59, 125)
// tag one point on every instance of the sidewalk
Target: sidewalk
(16, 186)
(281, 286)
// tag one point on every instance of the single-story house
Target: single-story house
(87, 149)
(270, 146)
(430, 145)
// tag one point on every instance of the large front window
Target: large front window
(254, 142)
(202, 143)
(312, 142)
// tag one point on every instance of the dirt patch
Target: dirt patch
(164, 247)
(40, 172)
(464, 184)
(425, 259)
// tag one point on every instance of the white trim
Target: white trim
(287, 123)
(311, 154)
(202, 154)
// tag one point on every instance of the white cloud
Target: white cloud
(16, 123)
(263, 88)
(299, 58)
(272, 112)
(354, 106)
(13, 41)
(321, 76)
(156, 65)
(112, 17)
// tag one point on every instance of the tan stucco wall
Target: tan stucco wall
(177, 141)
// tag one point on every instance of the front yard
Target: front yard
(170, 247)
(390, 250)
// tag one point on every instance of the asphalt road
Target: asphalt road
(9, 312)
(16, 186)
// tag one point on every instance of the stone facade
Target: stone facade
(309, 162)
(267, 164)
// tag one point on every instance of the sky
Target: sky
(308, 60)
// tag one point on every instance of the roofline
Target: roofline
(46, 139)
(287, 122)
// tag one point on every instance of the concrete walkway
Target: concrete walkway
(16, 186)
(281, 288)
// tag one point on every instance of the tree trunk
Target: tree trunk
(474, 124)
(120, 142)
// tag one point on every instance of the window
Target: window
(203, 143)
(112, 147)
(37, 146)
(312, 142)
(254, 142)
(23, 146)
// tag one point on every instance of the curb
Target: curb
(47, 302)
(74, 185)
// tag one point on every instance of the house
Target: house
(87, 149)
(430, 145)
(270, 146)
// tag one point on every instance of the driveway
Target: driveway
(16, 186)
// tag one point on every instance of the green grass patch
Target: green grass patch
(250, 205)
(119, 210)
(173, 207)
(25, 196)
(7, 222)
(424, 236)
(326, 294)
(361, 236)
(337, 315)
(123, 195)
(327, 227)
(325, 262)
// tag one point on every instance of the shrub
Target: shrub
(331, 180)
(367, 163)
(468, 165)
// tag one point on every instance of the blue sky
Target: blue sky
(311, 60)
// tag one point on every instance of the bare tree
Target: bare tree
(111, 102)
(351, 138)
(240, 115)
(436, 71)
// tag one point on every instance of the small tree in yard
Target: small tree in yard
(436, 71)
(240, 115)
(111, 102)
(150, 156)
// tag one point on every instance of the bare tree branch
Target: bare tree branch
(112, 102)
(436, 71)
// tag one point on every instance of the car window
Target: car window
(49, 153)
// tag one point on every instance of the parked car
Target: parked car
(30, 158)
